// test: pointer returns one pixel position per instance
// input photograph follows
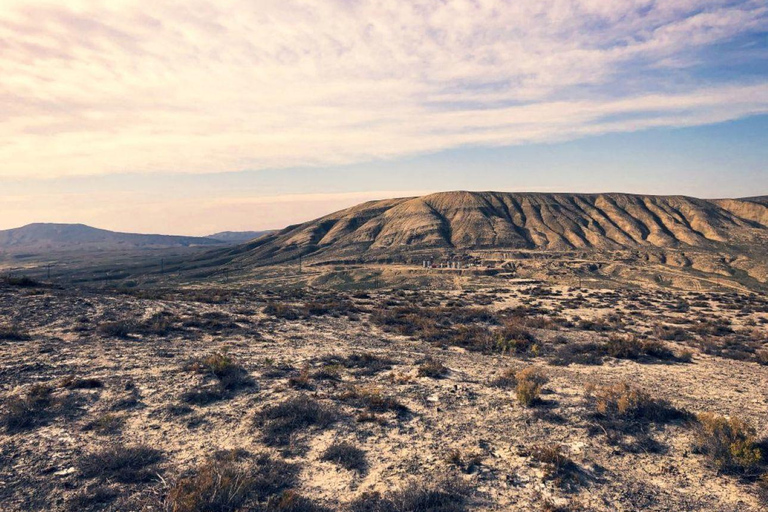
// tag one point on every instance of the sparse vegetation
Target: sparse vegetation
(279, 422)
(730, 444)
(230, 481)
(13, 333)
(446, 496)
(432, 368)
(126, 464)
(346, 455)
(528, 384)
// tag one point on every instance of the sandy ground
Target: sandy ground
(143, 376)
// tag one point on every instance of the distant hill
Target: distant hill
(238, 236)
(698, 233)
(44, 237)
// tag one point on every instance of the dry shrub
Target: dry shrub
(514, 338)
(630, 347)
(372, 398)
(37, 407)
(621, 404)
(557, 465)
(230, 481)
(302, 380)
(762, 357)
(445, 496)
(230, 375)
(346, 455)
(529, 382)
(105, 424)
(126, 464)
(13, 333)
(729, 443)
(279, 422)
(432, 368)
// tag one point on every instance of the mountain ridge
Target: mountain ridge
(46, 236)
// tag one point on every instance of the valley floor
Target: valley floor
(386, 400)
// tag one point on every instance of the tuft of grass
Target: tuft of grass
(623, 403)
(279, 422)
(74, 382)
(13, 333)
(106, 424)
(515, 338)
(432, 368)
(231, 481)
(730, 444)
(347, 456)
(372, 398)
(445, 496)
(126, 464)
(37, 407)
(229, 375)
(529, 383)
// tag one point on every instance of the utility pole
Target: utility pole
(299, 263)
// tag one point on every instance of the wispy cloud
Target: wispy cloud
(92, 87)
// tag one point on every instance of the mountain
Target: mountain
(43, 237)
(238, 236)
(679, 228)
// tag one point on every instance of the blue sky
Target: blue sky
(221, 116)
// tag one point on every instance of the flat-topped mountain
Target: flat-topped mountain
(490, 220)
(73, 237)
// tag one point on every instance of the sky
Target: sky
(197, 116)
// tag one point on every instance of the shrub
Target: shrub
(73, 382)
(507, 379)
(228, 481)
(301, 381)
(35, 408)
(630, 347)
(231, 376)
(105, 424)
(279, 422)
(13, 333)
(528, 388)
(445, 496)
(514, 338)
(372, 398)
(346, 455)
(432, 368)
(126, 464)
(590, 353)
(280, 310)
(729, 443)
(557, 465)
(762, 357)
(291, 501)
(619, 405)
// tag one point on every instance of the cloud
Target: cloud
(91, 87)
(199, 215)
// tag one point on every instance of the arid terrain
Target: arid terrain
(524, 396)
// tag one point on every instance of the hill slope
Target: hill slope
(238, 236)
(73, 237)
(491, 220)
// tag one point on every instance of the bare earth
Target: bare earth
(124, 370)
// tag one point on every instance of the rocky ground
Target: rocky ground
(523, 398)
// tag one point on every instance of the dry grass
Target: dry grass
(529, 383)
(231, 481)
(730, 444)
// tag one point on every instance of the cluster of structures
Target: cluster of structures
(445, 264)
